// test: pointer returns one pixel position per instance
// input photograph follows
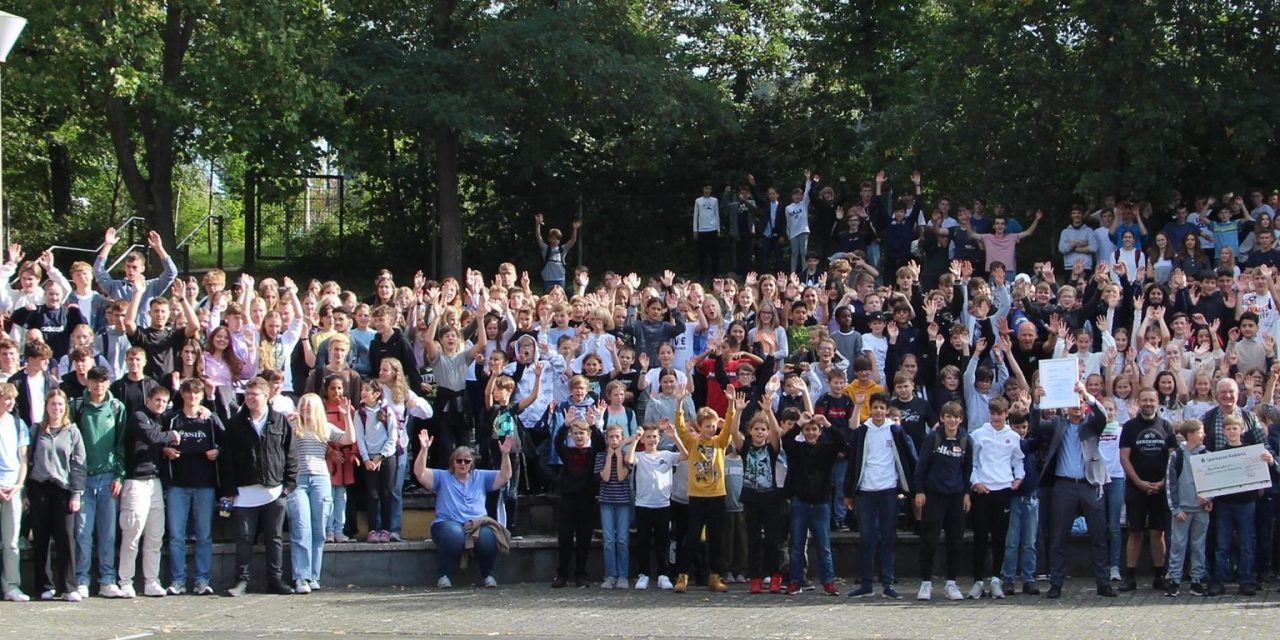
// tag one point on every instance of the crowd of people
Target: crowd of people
(873, 366)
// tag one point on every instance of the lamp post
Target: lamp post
(11, 27)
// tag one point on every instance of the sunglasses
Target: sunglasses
(462, 461)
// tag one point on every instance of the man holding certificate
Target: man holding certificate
(1234, 516)
(1075, 472)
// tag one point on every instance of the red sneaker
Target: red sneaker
(793, 587)
(757, 585)
(775, 583)
(830, 588)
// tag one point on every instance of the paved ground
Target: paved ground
(535, 611)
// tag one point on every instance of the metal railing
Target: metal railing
(129, 226)
(207, 224)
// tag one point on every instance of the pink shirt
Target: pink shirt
(1001, 249)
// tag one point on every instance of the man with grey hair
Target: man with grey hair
(1228, 393)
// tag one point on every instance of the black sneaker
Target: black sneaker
(1248, 590)
(1197, 589)
(1159, 582)
(1030, 589)
(891, 593)
(1130, 583)
(1106, 591)
(1216, 589)
(862, 591)
(559, 583)
(1171, 589)
(1055, 592)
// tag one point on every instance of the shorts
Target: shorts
(1145, 511)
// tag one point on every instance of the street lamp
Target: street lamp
(11, 27)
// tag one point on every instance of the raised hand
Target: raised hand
(425, 439)
(916, 178)
(15, 253)
(881, 177)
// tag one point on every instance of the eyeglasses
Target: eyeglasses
(463, 461)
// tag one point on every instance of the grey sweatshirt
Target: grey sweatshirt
(1181, 483)
(58, 457)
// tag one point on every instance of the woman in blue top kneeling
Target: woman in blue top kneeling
(460, 492)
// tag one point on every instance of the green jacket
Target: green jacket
(102, 427)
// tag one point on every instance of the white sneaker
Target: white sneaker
(976, 592)
(127, 592)
(72, 596)
(1115, 574)
(16, 595)
(642, 582)
(314, 584)
(490, 582)
(444, 583)
(83, 590)
(997, 589)
(607, 584)
(620, 583)
(664, 583)
(47, 595)
(203, 589)
(176, 589)
(953, 591)
(301, 587)
(153, 590)
(107, 591)
(925, 592)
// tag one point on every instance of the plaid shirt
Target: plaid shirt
(1217, 439)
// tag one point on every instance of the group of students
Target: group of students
(733, 424)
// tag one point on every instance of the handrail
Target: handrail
(128, 222)
(199, 227)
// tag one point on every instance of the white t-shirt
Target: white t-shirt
(879, 350)
(683, 345)
(653, 478)
(879, 472)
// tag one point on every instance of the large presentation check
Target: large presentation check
(1232, 471)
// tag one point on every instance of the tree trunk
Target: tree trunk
(61, 179)
(448, 202)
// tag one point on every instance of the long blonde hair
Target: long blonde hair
(399, 386)
(312, 421)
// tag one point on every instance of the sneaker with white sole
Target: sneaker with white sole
(83, 590)
(976, 592)
(642, 583)
(109, 591)
(444, 583)
(176, 589)
(997, 589)
(742, 579)
(48, 595)
(953, 591)
(664, 583)
(127, 592)
(153, 590)
(620, 583)
(490, 582)
(925, 592)
(314, 584)
(16, 595)
(202, 589)
(301, 587)
(1115, 574)
(72, 596)
(607, 584)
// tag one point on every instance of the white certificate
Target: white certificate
(1058, 378)
(1232, 471)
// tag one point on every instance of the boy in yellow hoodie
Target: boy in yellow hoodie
(706, 447)
(862, 387)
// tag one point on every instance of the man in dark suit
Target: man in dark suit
(1075, 473)
(773, 231)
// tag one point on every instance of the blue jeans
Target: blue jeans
(397, 494)
(337, 518)
(451, 541)
(1233, 519)
(811, 519)
(839, 512)
(615, 523)
(1020, 545)
(309, 507)
(96, 521)
(1113, 495)
(877, 528)
(799, 247)
(192, 507)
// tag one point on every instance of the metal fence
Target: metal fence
(300, 216)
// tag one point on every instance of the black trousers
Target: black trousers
(940, 512)
(379, 486)
(708, 253)
(708, 513)
(990, 528)
(52, 520)
(1072, 499)
(765, 524)
(449, 426)
(653, 541)
(270, 517)
(577, 518)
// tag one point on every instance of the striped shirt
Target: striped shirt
(309, 452)
(613, 490)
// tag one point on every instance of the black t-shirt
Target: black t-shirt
(54, 324)
(917, 415)
(193, 469)
(1149, 444)
(161, 346)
